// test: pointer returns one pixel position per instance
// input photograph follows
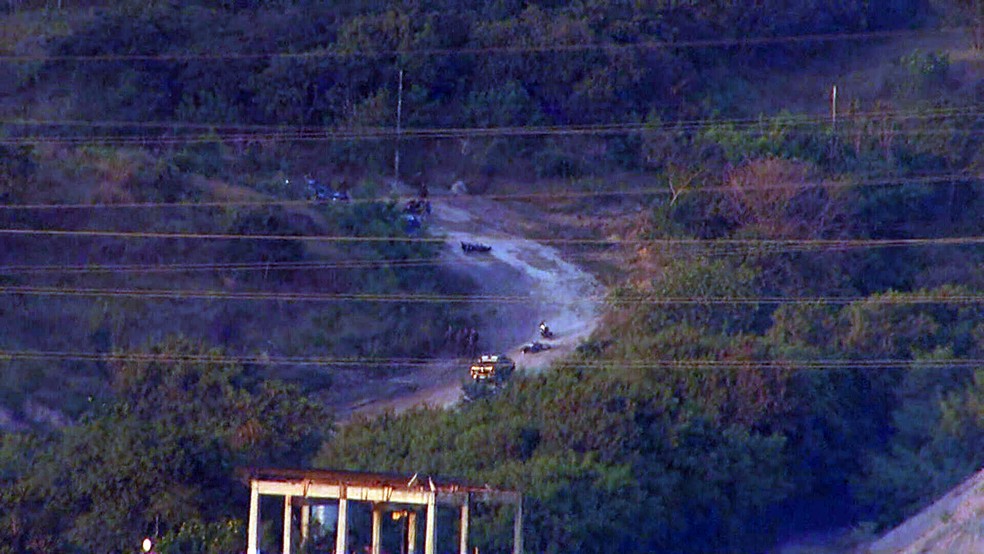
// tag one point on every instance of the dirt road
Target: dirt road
(562, 294)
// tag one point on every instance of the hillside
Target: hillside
(206, 268)
(770, 321)
(547, 287)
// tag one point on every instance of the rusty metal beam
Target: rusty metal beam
(313, 487)
(307, 489)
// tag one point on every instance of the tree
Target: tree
(605, 462)
(161, 454)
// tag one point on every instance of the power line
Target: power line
(302, 133)
(358, 362)
(705, 243)
(173, 294)
(370, 134)
(272, 266)
(255, 266)
(518, 49)
(333, 136)
(260, 295)
(686, 124)
(231, 266)
(314, 265)
(937, 179)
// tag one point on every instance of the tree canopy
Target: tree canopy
(157, 458)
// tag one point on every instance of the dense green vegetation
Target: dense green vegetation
(679, 427)
(343, 61)
(158, 459)
(716, 455)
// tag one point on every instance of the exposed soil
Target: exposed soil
(556, 291)
(954, 523)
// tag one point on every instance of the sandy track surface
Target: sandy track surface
(561, 293)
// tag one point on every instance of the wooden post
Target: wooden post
(518, 528)
(412, 532)
(430, 532)
(287, 515)
(341, 528)
(252, 533)
(463, 547)
(377, 520)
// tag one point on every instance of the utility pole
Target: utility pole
(833, 146)
(399, 121)
(979, 26)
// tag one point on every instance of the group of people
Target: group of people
(463, 340)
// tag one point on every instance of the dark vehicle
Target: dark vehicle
(417, 206)
(324, 193)
(535, 347)
(474, 247)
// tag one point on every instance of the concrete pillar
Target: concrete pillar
(341, 528)
(518, 528)
(252, 533)
(412, 532)
(305, 524)
(377, 520)
(463, 547)
(430, 532)
(287, 516)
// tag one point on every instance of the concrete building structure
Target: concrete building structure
(402, 495)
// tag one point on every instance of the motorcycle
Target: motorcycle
(322, 193)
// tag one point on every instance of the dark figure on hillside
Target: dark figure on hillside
(472, 342)
(417, 181)
(460, 340)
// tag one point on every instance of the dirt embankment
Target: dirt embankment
(954, 523)
(541, 286)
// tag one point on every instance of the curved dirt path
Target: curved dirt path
(561, 293)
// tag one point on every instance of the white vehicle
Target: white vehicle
(492, 368)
